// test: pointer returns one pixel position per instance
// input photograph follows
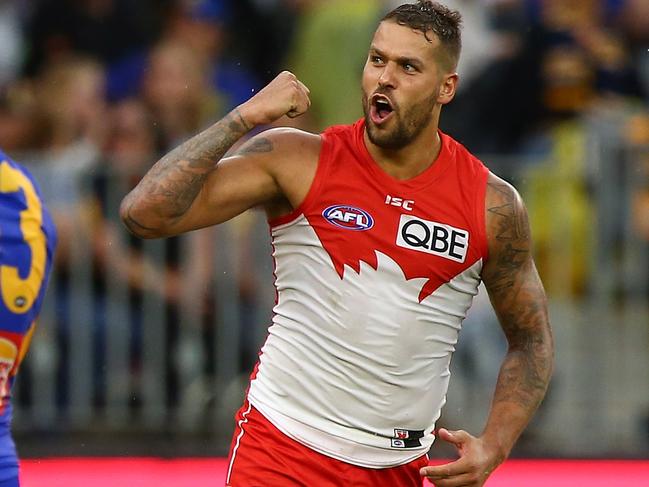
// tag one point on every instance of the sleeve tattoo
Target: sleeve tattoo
(520, 303)
(172, 184)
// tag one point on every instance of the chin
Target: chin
(388, 141)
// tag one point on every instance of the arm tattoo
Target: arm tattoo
(173, 183)
(519, 300)
(256, 146)
(512, 222)
(511, 231)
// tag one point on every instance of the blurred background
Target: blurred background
(145, 347)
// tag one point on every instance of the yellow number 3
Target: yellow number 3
(19, 294)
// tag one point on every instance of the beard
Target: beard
(408, 124)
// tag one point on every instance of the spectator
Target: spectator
(203, 27)
(108, 30)
(182, 283)
(11, 41)
(177, 91)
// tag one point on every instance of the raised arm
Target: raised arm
(517, 295)
(191, 187)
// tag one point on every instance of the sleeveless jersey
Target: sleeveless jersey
(27, 242)
(373, 277)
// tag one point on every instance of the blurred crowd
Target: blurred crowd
(110, 84)
(93, 91)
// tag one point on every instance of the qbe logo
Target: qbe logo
(433, 238)
(348, 217)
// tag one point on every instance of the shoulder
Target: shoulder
(284, 153)
(470, 165)
(288, 158)
(507, 222)
(282, 141)
(501, 193)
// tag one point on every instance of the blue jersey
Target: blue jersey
(27, 242)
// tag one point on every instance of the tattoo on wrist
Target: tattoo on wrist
(246, 124)
(176, 179)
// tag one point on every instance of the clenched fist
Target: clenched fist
(285, 95)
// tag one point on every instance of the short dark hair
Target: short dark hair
(427, 16)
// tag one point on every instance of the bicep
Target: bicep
(510, 275)
(237, 183)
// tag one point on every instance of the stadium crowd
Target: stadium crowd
(93, 91)
(110, 83)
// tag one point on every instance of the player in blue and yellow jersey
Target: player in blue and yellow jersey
(27, 242)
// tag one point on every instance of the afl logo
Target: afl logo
(348, 217)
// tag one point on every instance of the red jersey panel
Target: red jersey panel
(374, 276)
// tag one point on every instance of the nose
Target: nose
(387, 78)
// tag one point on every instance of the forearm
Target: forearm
(519, 301)
(522, 384)
(170, 187)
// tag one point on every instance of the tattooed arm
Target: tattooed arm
(519, 300)
(191, 187)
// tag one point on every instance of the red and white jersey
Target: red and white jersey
(374, 277)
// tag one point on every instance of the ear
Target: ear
(448, 88)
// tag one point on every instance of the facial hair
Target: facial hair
(409, 124)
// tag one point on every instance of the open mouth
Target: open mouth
(380, 109)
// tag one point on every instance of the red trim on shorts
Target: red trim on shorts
(262, 456)
(237, 441)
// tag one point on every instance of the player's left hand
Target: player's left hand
(477, 461)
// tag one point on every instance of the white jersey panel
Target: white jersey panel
(345, 357)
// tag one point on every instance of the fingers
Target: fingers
(304, 87)
(453, 469)
(302, 102)
(472, 469)
(455, 437)
(285, 95)
(463, 481)
(455, 474)
(466, 480)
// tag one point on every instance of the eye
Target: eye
(374, 59)
(409, 67)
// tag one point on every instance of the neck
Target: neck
(411, 160)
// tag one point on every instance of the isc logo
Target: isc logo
(433, 238)
(348, 217)
(399, 202)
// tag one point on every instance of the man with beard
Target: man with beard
(381, 232)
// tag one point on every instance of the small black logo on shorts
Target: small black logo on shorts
(406, 438)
